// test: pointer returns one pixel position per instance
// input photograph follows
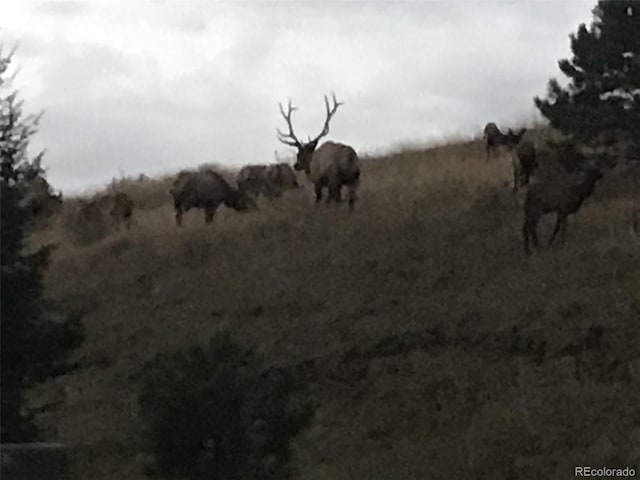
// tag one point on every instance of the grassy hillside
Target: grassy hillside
(436, 348)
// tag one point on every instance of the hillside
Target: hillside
(438, 349)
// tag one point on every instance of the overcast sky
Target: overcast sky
(154, 86)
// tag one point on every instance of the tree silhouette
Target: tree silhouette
(600, 104)
(31, 346)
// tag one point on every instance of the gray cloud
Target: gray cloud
(160, 86)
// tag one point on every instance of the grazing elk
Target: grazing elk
(493, 138)
(206, 189)
(268, 180)
(524, 164)
(562, 197)
(283, 176)
(253, 179)
(332, 165)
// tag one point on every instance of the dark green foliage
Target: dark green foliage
(32, 347)
(601, 104)
(214, 413)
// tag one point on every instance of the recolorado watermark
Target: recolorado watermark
(605, 472)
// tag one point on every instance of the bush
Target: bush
(214, 413)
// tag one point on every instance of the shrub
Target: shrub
(215, 413)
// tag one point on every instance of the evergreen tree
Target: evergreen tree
(31, 346)
(601, 103)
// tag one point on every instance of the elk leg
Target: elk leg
(529, 230)
(335, 194)
(209, 211)
(534, 233)
(563, 231)
(178, 216)
(556, 229)
(525, 236)
(351, 194)
(318, 189)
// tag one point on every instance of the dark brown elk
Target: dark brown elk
(268, 180)
(283, 176)
(494, 138)
(332, 165)
(206, 189)
(525, 163)
(561, 197)
(254, 180)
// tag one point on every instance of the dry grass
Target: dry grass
(444, 352)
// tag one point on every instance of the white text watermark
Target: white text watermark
(604, 471)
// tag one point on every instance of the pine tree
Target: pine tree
(31, 346)
(601, 103)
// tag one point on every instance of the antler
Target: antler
(294, 142)
(290, 138)
(330, 112)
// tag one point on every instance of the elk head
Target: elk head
(305, 150)
(513, 138)
(240, 201)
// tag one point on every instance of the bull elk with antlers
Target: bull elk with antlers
(332, 165)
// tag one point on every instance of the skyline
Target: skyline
(155, 86)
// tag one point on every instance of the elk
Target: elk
(206, 189)
(268, 180)
(560, 197)
(332, 165)
(494, 138)
(524, 164)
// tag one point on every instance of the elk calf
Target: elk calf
(333, 165)
(562, 197)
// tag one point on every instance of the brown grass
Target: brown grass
(444, 351)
